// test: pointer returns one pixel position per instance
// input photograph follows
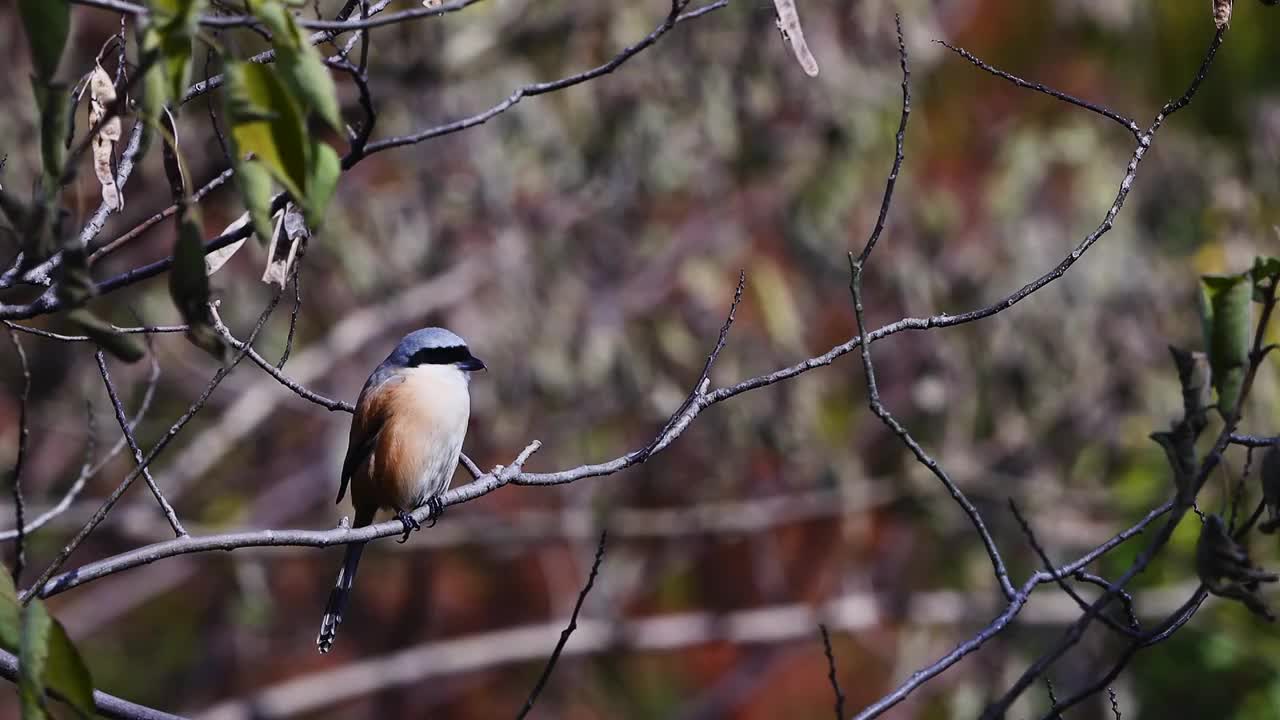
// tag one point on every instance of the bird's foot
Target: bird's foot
(410, 524)
(435, 509)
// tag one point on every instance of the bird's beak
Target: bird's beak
(471, 364)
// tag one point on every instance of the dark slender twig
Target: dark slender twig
(1127, 123)
(873, 394)
(49, 302)
(1115, 704)
(1164, 631)
(332, 26)
(831, 671)
(673, 18)
(1237, 494)
(899, 144)
(15, 477)
(123, 421)
(1059, 579)
(108, 706)
(159, 447)
(1232, 416)
(141, 330)
(133, 233)
(700, 387)
(213, 116)
(1126, 599)
(297, 306)
(90, 470)
(564, 635)
(1053, 699)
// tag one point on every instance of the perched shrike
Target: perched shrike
(405, 439)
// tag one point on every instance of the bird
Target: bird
(406, 437)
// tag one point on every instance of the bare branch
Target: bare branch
(1059, 579)
(111, 500)
(532, 89)
(49, 302)
(107, 705)
(683, 415)
(1126, 123)
(831, 671)
(15, 476)
(568, 630)
(127, 432)
(853, 612)
(141, 330)
(90, 471)
(899, 141)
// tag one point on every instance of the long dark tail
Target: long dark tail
(341, 593)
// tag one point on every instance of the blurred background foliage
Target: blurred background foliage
(586, 243)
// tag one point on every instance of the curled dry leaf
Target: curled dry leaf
(215, 259)
(290, 232)
(789, 25)
(1221, 13)
(102, 94)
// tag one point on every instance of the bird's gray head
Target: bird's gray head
(433, 346)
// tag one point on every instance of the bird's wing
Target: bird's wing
(370, 416)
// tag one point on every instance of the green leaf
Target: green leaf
(189, 284)
(33, 655)
(51, 99)
(125, 347)
(255, 190)
(75, 282)
(278, 21)
(47, 24)
(309, 80)
(167, 44)
(1227, 316)
(10, 625)
(321, 183)
(66, 672)
(267, 124)
(301, 65)
(1265, 273)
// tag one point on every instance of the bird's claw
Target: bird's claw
(410, 524)
(435, 509)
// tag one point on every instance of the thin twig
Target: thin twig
(159, 447)
(568, 630)
(873, 394)
(297, 306)
(899, 145)
(831, 671)
(125, 430)
(673, 18)
(141, 330)
(86, 473)
(1053, 698)
(1126, 123)
(1059, 579)
(681, 417)
(49, 301)
(15, 477)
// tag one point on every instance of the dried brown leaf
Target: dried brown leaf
(290, 232)
(215, 259)
(102, 94)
